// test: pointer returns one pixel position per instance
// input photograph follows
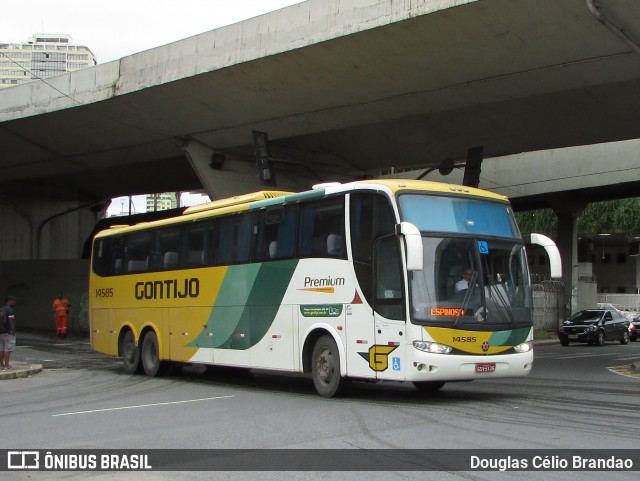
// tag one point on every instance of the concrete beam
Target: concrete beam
(236, 177)
(542, 173)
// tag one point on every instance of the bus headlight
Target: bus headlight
(432, 347)
(524, 347)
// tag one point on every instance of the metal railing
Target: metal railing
(548, 305)
(625, 302)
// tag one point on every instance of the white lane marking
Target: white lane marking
(627, 371)
(628, 358)
(577, 356)
(142, 406)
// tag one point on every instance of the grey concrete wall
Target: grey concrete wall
(37, 283)
(44, 228)
(587, 295)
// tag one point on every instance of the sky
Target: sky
(118, 28)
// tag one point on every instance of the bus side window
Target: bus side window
(388, 290)
(274, 233)
(138, 251)
(223, 239)
(104, 263)
(197, 238)
(232, 239)
(319, 220)
(287, 232)
(370, 217)
(265, 246)
(116, 252)
(166, 255)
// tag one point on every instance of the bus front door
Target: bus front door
(387, 357)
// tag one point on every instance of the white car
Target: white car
(628, 313)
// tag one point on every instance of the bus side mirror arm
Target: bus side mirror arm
(413, 244)
(555, 263)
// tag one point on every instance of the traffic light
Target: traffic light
(263, 158)
(472, 167)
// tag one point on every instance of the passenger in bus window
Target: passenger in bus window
(335, 245)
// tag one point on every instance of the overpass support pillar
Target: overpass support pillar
(223, 177)
(220, 176)
(568, 209)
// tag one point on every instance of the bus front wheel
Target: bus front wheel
(325, 368)
(130, 353)
(151, 355)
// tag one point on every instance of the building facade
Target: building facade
(163, 201)
(42, 56)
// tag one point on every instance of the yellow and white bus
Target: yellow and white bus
(345, 281)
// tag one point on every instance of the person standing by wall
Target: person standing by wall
(7, 332)
(61, 307)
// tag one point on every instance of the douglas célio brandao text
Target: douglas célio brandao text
(551, 463)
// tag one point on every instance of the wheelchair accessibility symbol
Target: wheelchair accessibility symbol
(395, 363)
(483, 247)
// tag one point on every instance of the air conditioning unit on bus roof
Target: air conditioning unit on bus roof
(326, 185)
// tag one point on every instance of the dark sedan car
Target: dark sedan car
(634, 329)
(595, 326)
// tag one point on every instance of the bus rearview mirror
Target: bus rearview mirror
(413, 243)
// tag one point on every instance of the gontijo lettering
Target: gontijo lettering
(168, 289)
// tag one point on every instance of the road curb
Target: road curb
(20, 369)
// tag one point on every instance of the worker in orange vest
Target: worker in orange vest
(61, 307)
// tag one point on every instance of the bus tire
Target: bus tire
(130, 354)
(428, 386)
(325, 368)
(151, 355)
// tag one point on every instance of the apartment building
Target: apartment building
(163, 201)
(42, 56)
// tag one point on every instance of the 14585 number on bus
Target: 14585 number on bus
(104, 292)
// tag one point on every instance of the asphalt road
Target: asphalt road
(577, 397)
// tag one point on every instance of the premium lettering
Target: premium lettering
(168, 289)
(323, 282)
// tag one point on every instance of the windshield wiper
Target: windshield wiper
(467, 299)
(502, 304)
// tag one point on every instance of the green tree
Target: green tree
(542, 221)
(598, 217)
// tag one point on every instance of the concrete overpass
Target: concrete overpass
(343, 89)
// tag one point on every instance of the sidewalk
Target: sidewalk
(20, 369)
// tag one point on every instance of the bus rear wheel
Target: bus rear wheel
(325, 368)
(130, 353)
(151, 355)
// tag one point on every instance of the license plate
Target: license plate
(573, 337)
(486, 367)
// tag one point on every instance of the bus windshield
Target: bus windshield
(471, 282)
(475, 273)
(431, 213)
